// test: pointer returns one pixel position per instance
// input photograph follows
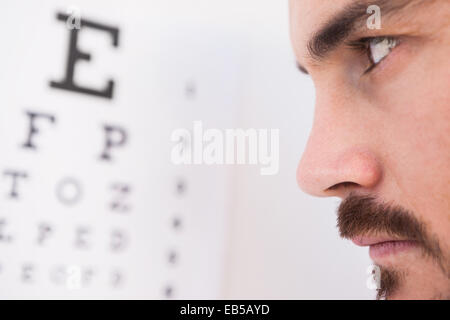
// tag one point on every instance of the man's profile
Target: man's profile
(381, 134)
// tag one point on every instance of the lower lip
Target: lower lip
(383, 249)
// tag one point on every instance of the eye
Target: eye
(379, 48)
(376, 48)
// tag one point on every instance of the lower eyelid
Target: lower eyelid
(386, 61)
(363, 45)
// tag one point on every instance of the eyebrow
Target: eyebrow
(340, 26)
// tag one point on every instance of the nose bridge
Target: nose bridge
(337, 152)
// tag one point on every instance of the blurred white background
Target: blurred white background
(264, 239)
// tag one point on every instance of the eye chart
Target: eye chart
(90, 204)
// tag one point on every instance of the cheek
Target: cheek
(416, 141)
(417, 161)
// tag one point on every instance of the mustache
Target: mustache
(359, 215)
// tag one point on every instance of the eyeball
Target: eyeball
(381, 47)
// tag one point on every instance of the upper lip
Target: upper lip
(364, 241)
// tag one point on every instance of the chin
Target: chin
(420, 281)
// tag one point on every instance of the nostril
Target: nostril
(343, 185)
(334, 173)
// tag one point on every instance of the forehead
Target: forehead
(306, 16)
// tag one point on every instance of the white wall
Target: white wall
(280, 243)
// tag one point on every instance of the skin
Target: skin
(386, 132)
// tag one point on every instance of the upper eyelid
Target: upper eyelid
(362, 42)
(301, 68)
(365, 40)
(358, 44)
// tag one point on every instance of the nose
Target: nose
(338, 158)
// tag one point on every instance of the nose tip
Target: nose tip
(334, 174)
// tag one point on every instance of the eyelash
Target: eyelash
(363, 45)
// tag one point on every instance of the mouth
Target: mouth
(382, 247)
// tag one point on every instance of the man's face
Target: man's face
(381, 133)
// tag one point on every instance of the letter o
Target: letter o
(68, 191)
